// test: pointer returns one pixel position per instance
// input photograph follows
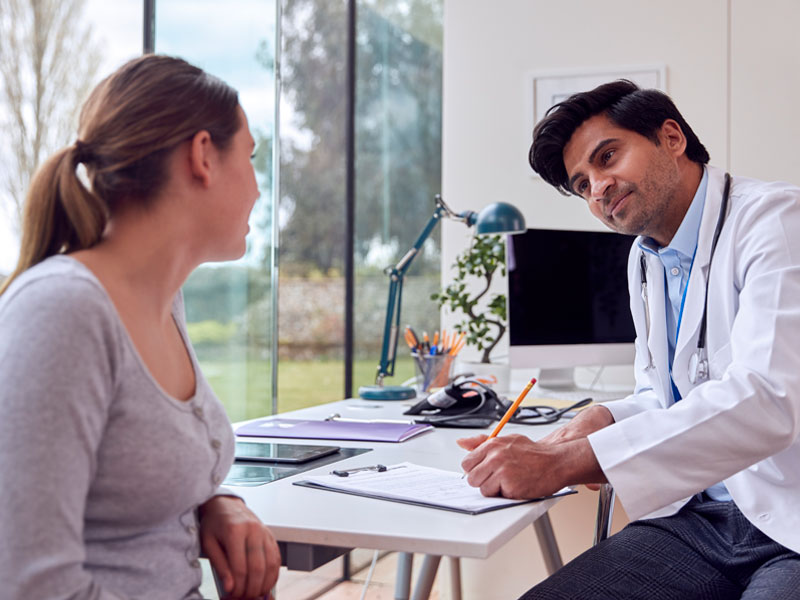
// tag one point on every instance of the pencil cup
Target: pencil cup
(433, 371)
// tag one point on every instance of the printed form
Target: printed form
(416, 484)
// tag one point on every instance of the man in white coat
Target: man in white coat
(705, 454)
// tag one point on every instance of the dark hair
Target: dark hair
(628, 106)
(128, 127)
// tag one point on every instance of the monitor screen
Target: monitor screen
(568, 299)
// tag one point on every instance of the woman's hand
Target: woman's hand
(241, 549)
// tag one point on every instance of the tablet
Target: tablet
(281, 453)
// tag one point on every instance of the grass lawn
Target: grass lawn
(246, 390)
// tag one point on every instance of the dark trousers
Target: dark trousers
(708, 550)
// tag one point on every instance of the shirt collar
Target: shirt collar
(685, 239)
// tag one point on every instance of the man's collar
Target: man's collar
(685, 239)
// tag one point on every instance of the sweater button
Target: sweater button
(216, 444)
(198, 412)
(195, 564)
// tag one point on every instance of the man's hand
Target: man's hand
(241, 549)
(514, 466)
(585, 422)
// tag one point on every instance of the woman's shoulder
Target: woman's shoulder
(59, 288)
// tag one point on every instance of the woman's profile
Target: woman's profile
(112, 444)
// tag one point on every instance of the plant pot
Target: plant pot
(497, 375)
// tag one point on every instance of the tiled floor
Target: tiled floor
(322, 583)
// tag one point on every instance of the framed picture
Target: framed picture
(547, 89)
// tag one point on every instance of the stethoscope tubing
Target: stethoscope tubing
(699, 360)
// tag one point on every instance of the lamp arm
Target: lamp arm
(396, 276)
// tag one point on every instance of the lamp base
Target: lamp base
(388, 392)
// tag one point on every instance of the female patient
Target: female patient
(112, 444)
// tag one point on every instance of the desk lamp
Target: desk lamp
(493, 219)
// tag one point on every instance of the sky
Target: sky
(224, 42)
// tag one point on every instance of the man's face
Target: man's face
(629, 182)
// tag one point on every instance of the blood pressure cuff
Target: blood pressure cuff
(463, 403)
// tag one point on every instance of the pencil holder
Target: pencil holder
(433, 371)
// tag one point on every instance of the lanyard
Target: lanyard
(683, 299)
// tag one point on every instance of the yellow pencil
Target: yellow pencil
(454, 350)
(513, 408)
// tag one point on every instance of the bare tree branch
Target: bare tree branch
(48, 62)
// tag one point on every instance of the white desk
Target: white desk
(306, 518)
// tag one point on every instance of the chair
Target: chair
(605, 511)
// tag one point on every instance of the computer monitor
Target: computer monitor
(568, 302)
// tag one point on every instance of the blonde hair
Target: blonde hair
(129, 125)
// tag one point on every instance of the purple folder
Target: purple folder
(332, 430)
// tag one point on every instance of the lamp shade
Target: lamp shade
(499, 217)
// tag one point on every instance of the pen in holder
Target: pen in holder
(433, 371)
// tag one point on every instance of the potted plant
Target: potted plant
(484, 321)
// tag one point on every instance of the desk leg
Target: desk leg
(547, 542)
(455, 578)
(427, 574)
(402, 583)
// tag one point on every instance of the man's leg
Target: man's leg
(648, 560)
(777, 580)
(682, 557)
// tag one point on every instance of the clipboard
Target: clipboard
(417, 485)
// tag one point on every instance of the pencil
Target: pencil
(513, 408)
(456, 348)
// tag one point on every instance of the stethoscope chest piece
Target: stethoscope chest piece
(698, 367)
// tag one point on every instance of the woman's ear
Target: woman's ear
(201, 157)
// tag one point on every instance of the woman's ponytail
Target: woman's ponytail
(60, 214)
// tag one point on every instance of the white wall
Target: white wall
(733, 69)
(765, 89)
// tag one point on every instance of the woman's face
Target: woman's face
(237, 192)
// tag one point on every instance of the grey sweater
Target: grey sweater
(101, 472)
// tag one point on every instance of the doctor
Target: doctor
(705, 455)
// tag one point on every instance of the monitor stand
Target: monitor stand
(557, 379)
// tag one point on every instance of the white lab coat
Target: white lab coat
(742, 425)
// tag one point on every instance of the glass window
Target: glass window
(312, 205)
(84, 41)
(398, 170)
(229, 305)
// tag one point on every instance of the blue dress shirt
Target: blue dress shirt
(677, 259)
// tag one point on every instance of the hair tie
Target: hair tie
(82, 152)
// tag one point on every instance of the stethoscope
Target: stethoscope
(698, 362)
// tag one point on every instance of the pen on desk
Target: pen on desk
(513, 408)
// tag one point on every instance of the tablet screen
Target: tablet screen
(283, 453)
